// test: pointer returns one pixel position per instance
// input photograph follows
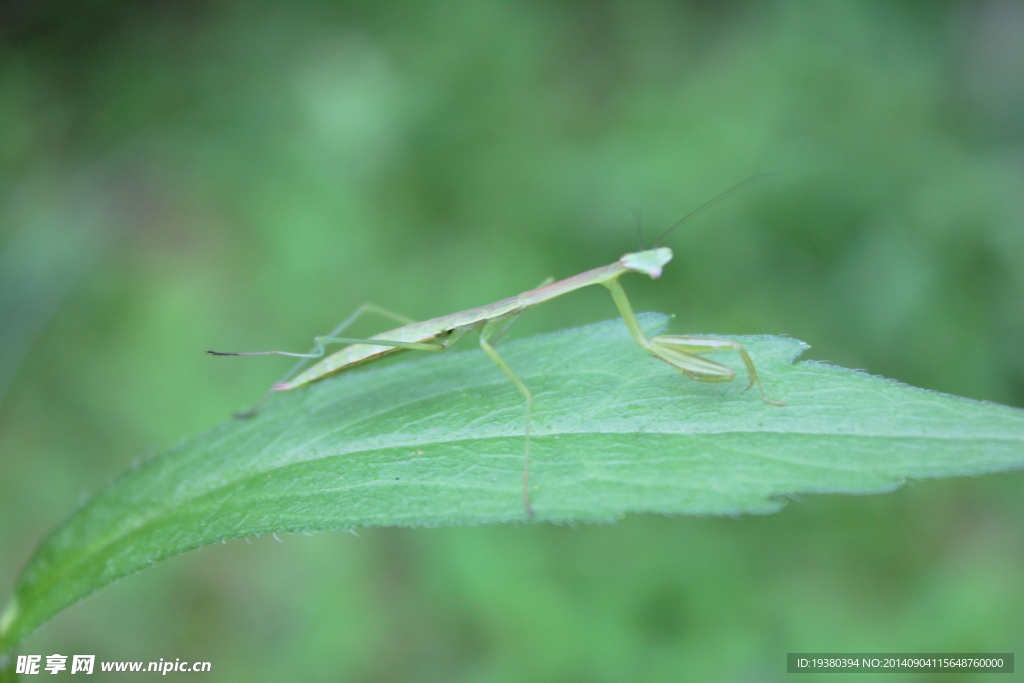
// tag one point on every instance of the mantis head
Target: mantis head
(649, 262)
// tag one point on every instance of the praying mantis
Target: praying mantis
(681, 352)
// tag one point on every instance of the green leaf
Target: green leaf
(438, 440)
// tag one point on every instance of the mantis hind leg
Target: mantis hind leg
(316, 352)
(485, 335)
(363, 309)
(501, 333)
(368, 308)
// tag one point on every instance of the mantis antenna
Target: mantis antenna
(707, 205)
(638, 217)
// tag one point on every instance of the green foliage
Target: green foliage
(243, 174)
(439, 442)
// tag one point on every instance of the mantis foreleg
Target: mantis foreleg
(318, 349)
(681, 351)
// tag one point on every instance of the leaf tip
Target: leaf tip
(7, 620)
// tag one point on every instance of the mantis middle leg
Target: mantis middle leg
(485, 335)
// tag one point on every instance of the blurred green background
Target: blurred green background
(241, 175)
